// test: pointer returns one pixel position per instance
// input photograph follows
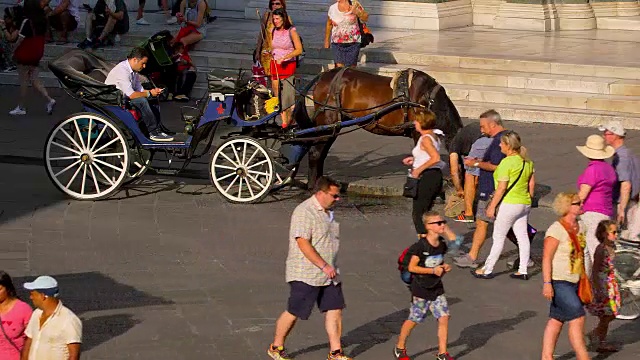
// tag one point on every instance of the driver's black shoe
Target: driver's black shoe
(159, 136)
(86, 43)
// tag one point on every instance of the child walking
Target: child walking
(606, 293)
(427, 265)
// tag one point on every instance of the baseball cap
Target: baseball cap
(43, 284)
(614, 126)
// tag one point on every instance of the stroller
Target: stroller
(160, 68)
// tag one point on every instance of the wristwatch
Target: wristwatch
(148, 93)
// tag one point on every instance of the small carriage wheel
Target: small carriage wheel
(242, 170)
(139, 161)
(627, 267)
(87, 156)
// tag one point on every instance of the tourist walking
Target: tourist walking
(490, 125)
(595, 189)
(14, 317)
(627, 190)
(286, 46)
(562, 267)
(427, 291)
(342, 32)
(606, 291)
(312, 270)
(514, 183)
(54, 332)
(426, 165)
(28, 52)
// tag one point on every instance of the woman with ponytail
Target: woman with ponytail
(514, 182)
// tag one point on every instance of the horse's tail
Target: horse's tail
(300, 114)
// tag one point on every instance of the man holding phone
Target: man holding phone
(125, 77)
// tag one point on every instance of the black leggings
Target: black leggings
(429, 186)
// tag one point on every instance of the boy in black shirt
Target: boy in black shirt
(427, 265)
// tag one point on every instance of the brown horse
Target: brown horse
(353, 89)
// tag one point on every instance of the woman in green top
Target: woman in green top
(514, 182)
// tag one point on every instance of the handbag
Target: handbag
(585, 293)
(410, 189)
(7, 337)
(31, 49)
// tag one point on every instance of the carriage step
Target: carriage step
(166, 171)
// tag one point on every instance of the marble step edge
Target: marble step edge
(548, 115)
(462, 76)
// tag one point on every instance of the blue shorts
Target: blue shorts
(420, 308)
(565, 305)
(304, 296)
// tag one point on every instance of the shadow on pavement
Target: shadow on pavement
(93, 292)
(477, 336)
(625, 334)
(375, 332)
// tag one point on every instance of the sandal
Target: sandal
(605, 347)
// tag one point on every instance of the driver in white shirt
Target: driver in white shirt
(125, 77)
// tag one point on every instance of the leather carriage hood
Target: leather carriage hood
(83, 74)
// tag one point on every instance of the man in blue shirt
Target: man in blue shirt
(490, 125)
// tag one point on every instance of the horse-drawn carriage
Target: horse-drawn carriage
(89, 155)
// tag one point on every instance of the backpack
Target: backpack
(403, 266)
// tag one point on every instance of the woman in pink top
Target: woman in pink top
(595, 189)
(285, 47)
(14, 317)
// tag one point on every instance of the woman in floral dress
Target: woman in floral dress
(606, 293)
(342, 31)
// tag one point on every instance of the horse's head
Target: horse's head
(424, 91)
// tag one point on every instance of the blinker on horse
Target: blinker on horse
(346, 93)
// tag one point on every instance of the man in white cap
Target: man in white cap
(627, 168)
(54, 332)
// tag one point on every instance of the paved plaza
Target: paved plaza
(168, 270)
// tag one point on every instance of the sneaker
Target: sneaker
(117, 38)
(465, 261)
(400, 354)
(169, 97)
(181, 98)
(464, 218)
(142, 21)
(160, 136)
(50, 105)
(85, 44)
(444, 356)
(278, 353)
(337, 355)
(19, 110)
(530, 264)
(11, 68)
(172, 20)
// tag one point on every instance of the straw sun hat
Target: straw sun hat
(596, 148)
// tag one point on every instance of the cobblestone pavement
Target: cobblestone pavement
(168, 270)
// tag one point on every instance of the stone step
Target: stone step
(516, 79)
(544, 98)
(619, 23)
(551, 115)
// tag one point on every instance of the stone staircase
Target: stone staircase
(521, 89)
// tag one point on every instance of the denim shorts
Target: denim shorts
(565, 305)
(420, 308)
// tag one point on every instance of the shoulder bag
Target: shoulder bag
(7, 337)
(510, 186)
(584, 285)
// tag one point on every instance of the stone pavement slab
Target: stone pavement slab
(213, 289)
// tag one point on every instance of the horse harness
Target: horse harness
(400, 84)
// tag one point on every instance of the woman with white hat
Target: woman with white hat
(595, 189)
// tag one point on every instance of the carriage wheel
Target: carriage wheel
(282, 172)
(242, 170)
(140, 159)
(87, 156)
(627, 267)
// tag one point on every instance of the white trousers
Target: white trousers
(591, 220)
(509, 216)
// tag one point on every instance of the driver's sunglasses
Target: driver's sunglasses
(576, 203)
(275, 3)
(441, 222)
(335, 196)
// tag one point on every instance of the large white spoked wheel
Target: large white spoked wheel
(242, 170)
(627, 266)
(87, 156)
